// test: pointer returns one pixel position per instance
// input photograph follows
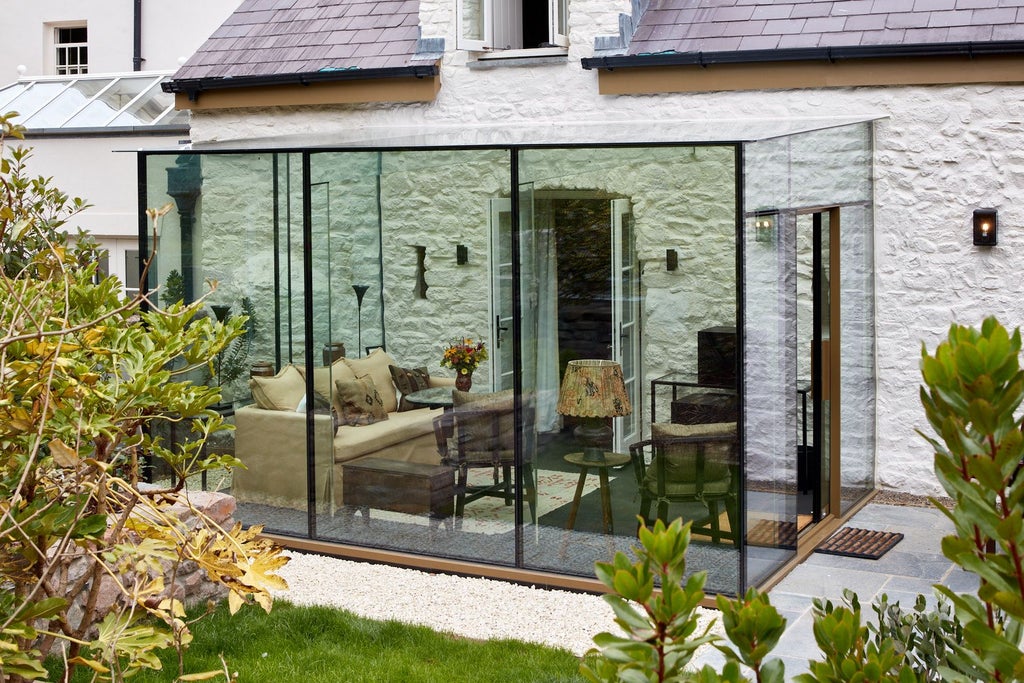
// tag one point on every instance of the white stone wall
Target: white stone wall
(939, 152)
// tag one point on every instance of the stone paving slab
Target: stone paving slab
(909, 569)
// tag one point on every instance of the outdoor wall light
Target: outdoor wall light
(764, 226)
(985, 227)
(671, 259)
(461, 254)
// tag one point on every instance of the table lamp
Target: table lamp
(593, 390)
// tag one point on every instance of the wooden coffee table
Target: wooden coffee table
(602, 466)
(398, 486)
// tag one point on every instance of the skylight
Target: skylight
(94, 102)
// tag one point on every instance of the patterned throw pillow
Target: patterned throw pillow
(409, 380)
(359, 401)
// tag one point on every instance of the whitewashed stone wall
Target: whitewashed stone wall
(939, 152)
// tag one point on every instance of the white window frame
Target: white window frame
(68, 69)
(497, 17)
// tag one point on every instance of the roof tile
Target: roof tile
(264, 37)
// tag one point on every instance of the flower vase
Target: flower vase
(463, 380)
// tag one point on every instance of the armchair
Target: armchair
(479, 432)
(691, 463)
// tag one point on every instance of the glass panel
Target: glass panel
(71, 100)
(857, 359)
(35, 97)
(587, 510)
(146, 110)
(472, 19)
(105, 106)
(222, 226)
(826, 168)
(401, 466)
(775, 419)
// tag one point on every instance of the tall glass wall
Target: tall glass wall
(808, 298)
(362, 270)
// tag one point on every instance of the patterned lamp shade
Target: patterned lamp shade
(593, 388)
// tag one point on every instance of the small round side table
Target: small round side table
(602, 466)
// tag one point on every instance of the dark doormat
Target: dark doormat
(863, 543)
(769, 533)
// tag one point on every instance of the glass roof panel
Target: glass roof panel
(9, 93)
(35, 96)
(544, 134)
(93, 101)
(143, 110)
(59, 109)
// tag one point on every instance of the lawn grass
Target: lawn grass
(320, 644)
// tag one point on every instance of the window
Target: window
(512, 24)
(72, 52)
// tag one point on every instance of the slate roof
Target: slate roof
(267, 38)
(720, 26)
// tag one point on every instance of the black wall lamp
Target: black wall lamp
(985, 226)
(461, 254)
(671, 259)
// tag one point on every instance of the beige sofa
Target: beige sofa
(270, 436)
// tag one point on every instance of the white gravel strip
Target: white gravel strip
(471, 607)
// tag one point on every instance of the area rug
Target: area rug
(492, 516)
(863, 543)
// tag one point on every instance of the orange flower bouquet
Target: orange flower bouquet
(464, 355)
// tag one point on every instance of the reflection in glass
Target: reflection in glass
(565, 261)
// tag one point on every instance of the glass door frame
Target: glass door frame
(824, 471)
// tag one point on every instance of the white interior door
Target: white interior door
(502, 365)
(626, 319)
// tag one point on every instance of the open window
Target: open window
(491, 25)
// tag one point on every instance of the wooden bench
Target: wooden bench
(397, 486)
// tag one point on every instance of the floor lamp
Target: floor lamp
(360, 290)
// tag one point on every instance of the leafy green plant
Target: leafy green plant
(88, 554)
(661, 637)
(930, 638)
(973, 387)
(174, 288)
(850, 654)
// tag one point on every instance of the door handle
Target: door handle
(500, 329)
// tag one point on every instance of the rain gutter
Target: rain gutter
(193, 87)
(969, 50)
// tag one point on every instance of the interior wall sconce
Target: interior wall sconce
(461, 254)
(764, 226)
(671, 259)
(985, 226)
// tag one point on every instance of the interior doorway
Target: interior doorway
(580, 294)
(817, 364)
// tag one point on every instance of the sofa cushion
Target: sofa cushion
(376, 366)
(378, 438)
(681, 458)
(408, 380)
(360, 401)
(324, 378)
(283, 391)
